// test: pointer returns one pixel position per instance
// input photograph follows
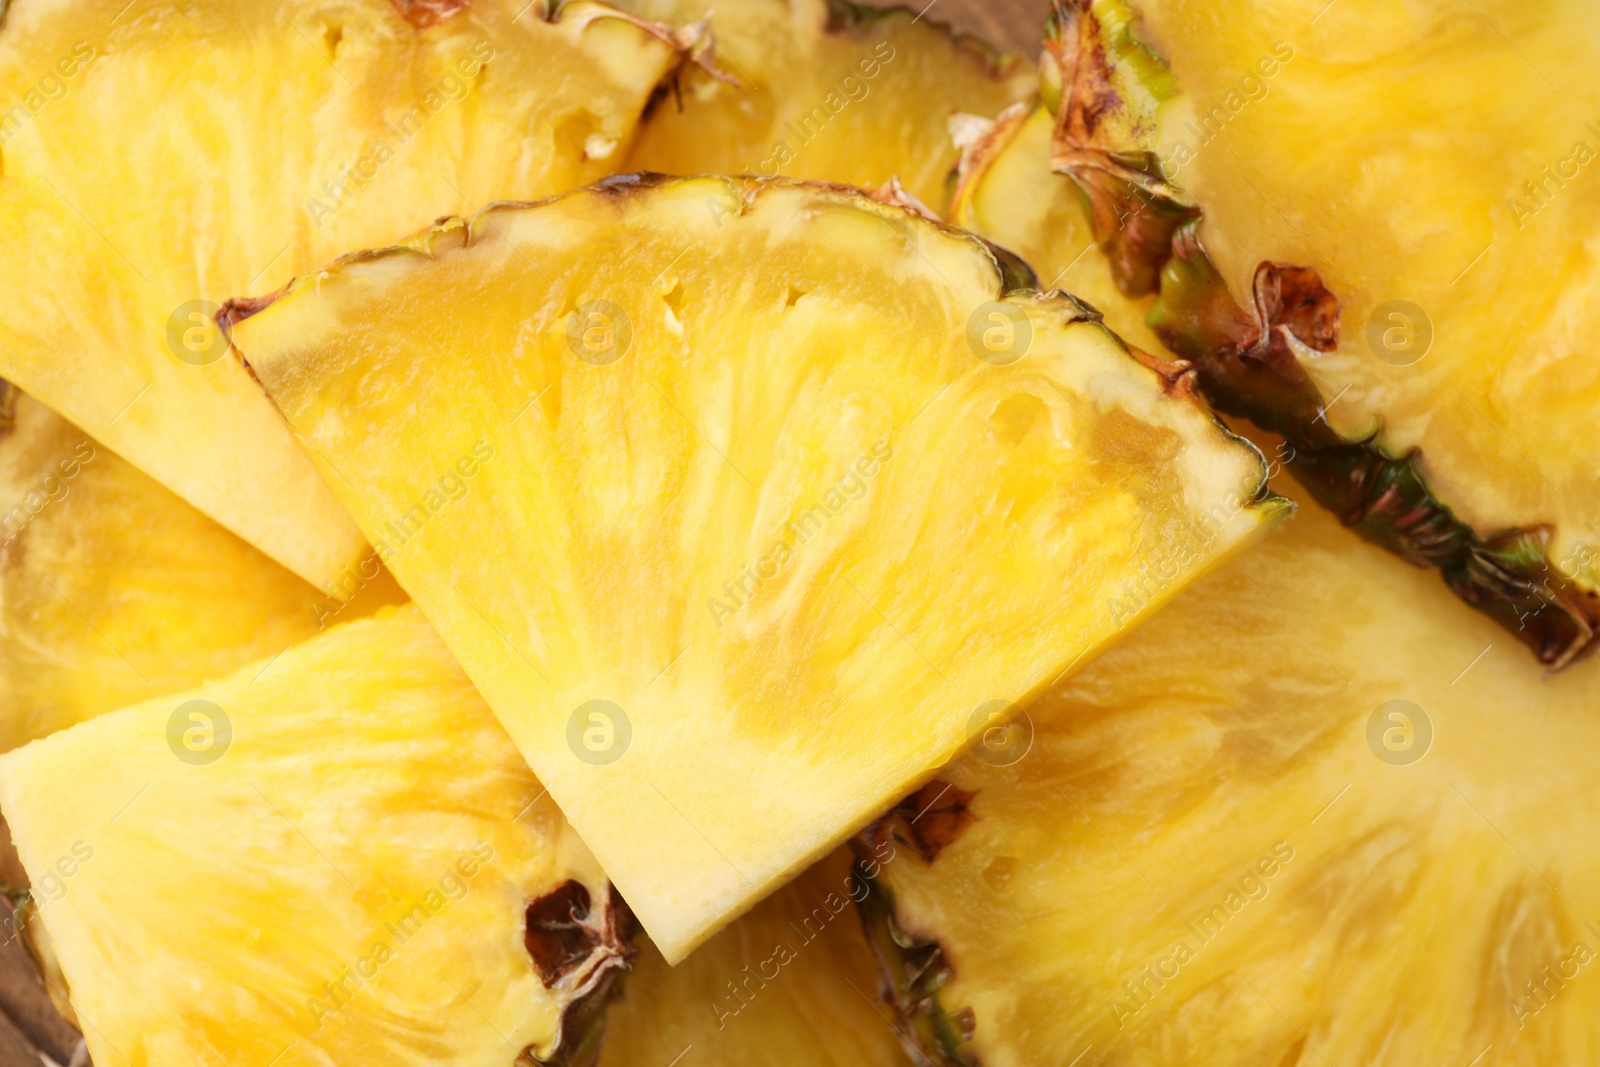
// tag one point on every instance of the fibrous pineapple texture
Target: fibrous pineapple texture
(824, 89)
(740, 501)
(113, 590)
(1311, 813)
(789, 984)
(1374, 232)
(335, 857)
(164, 157)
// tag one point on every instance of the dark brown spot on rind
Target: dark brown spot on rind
(8, 407)
(240, 308)
(424, 13)
(927, 821)
(1246, 367)
(584, 947)
(560, 934)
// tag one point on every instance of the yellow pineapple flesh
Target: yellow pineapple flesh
(728, 488)
(164, 157)
(113, 590)
(1008, 194)
(1423, 155)
(333, 857)
(789, 984)
(1311, 813)
(824, 89)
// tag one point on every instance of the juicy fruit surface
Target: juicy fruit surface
(1008, 195)
(1391, 149)
(789, 984)
(345, 884)
(1212, 855)
(113, 590)
(163, 159)
(826, 90)
(719, 456)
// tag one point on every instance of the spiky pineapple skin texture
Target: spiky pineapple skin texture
(789, 984)
(1007, 193)
(825, 90)
(1437, 172)
(1204, 860)
(113, 590)
(750, 506)
(162, 160)
(345, 884)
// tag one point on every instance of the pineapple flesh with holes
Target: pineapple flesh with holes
(1311, 813)
(824, 89)
(755, 489)
(164, 156)
(789, 984)
(113, 590)
(335, 857)
(1384, 251)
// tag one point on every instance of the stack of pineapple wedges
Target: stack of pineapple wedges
(771, 533)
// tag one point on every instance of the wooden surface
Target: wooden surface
(1014, 25)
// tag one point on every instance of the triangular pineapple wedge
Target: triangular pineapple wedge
(161, 158)
(824, 89)
(113, 590)
(332, 858)
(789, 984)
(742, 501)
(1313, 813)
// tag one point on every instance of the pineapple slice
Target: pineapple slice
(161, 158)
(336, 857)
(1312, 813)
(112, 590)
(791, 984)
(824, 89)
(745, 491)
(1396, 263)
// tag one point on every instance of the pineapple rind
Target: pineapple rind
(180, 154)
(1452, 498)
(520, 571)
(345, 884)
(1406, 912)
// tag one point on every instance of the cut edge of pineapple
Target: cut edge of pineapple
(1247, 360)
